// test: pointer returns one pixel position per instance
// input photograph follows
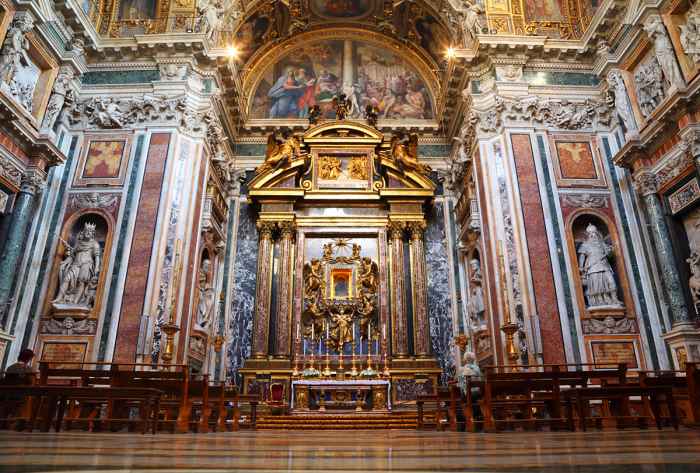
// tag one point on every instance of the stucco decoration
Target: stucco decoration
(663, 49)
(18, 72)
(690, 33)
(61, 92)
(649, 82)
(623, 106)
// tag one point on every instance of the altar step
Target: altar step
(338, 422)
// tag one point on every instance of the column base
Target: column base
(684, 343)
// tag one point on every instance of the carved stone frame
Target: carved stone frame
(562, 181)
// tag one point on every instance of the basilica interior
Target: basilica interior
(348, 207)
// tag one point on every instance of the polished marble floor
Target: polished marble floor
(343, 451)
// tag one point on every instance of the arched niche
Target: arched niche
(80, 266)
(599, 271)
(311, 68)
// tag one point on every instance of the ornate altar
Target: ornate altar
(341, 284)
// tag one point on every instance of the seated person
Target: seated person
(21, 372)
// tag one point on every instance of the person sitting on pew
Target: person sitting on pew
(21, 372)
(470, 369)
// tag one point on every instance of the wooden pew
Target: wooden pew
(442, 404)
(685, 385)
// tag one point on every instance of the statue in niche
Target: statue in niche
(80, 270)
(694, 281)
(279, 153)
(690, 33)
(473, 22)
(663, 50)
(207, 296)
(650, 86)
(405, 153)
(597, 275)
(14, 58)
(61, 90)
(475, 305)
(622, 103)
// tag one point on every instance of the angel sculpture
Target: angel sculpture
(371, 114)
(405, 153)
(314, 114)
(313, 279)
(343, 106)
(278, 154)
(368, 276)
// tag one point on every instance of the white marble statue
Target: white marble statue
(663, 50)
(475, 306)
(206, 304)
(623, 107)
(694, 281)
(690, 33)
(597, 275)
(80, 270)
(15, 49)
(473, 22)
(61, 88)
(650, 89)
(215, 12)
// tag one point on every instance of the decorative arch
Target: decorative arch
(312, 67)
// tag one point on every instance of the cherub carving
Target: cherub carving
(278, 154)
(405, 153)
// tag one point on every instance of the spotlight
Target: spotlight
(450, 52)
(232, 52)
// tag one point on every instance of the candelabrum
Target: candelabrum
(353, 371)
(171, 328)
(297, 344)
(341, 352)
(508, 327)
(327, 370)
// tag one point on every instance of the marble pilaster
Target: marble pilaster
(31, 184)
(678, 310)
(398, 294)
(284, 290)
(263, 291)
(421, 325)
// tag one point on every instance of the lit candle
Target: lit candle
(328, 327)
(312, 331)
(384, 331)
(304, 348)
(298, 330)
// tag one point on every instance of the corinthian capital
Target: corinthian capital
(265, 229)
(287, 228)
(646, 183)
(396, 230)
(416, 230)
(33, 181)
(690, 144)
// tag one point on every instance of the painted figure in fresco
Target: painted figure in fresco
(308, 97)
(597, 275)
(137, 9)
(207, 297)
(342, 8)
(79, 269)
(285, 95)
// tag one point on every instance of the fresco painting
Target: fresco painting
(346, 9)
(137, 9)
(318, 72)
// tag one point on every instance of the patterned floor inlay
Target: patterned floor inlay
(352, 452)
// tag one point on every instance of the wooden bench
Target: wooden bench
(442, 405)
(685, 385)
(56, 398)
(577, 399)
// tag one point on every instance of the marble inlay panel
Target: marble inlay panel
(240, 328)
(439, 300)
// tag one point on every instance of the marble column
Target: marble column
(22, 214)
(284, 290)
(263, 290)
(399, 337)
(647, 187)
(421, 323)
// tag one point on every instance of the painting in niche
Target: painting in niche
(341, 284)
(576, 160)
(314, 74)
(343, 171)
(345, 9)
(137, 9)
(104, 159)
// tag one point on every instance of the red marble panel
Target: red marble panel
(141, 247)
(576, 160)
(538, 247)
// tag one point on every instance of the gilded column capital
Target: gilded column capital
(646, 183)
(396, 230)
(265, 229)
(416, 230)
(287, 228)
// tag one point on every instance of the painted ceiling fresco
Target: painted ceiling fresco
(316, 73)
(561, 19)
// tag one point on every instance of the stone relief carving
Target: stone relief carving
(561, 114)
(589, 201)
(17, 71)
(207, 296)
(622, 104)
(473, 22)
(509, 72)
(79, 271)
(69, 326)
(10, 172)
(170, 72)
(649, 83)
(608, 326)
(61, 92)
(674, 165)
(597, 275)
(93, 200)
(663, 50)
(690, 33)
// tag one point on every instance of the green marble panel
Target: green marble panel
(120, 77)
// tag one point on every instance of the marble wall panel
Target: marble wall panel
(142, 244)
(538, 248)
(439, 300)
(243, 297)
